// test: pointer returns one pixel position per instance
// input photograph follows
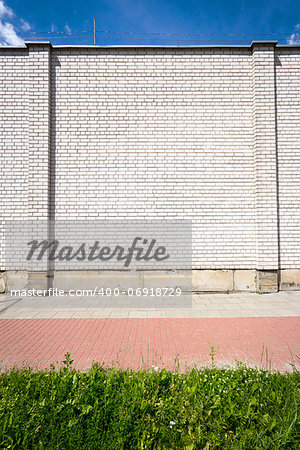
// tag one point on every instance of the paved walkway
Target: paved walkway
(256, 329)
(282, 304)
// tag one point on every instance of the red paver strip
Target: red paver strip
(137, 343)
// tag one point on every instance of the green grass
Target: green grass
(211, 408)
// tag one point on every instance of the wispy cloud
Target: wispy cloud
(8, 36)
(25, 26)
(5, 11)
(68, 29)
(294, 38)
(8, 31)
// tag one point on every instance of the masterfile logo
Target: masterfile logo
(98, 245)
(140, 250)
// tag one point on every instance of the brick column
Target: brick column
(265, 164)
(39, 64)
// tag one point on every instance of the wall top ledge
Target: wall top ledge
(42, 43)
(264, 43)
(28, 44)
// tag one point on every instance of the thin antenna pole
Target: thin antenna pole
(94, 31)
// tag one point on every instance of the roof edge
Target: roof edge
(205, 46)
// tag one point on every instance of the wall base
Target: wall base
(2, 282)
(266, 281)
(290, 280)
(198, 280)
(38, 280)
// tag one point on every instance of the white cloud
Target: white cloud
(25, 25)
(5, 10)
(8, 36)
(68, 29)
(294, 38)
(8, 33)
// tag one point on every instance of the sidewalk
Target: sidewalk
(257, 329)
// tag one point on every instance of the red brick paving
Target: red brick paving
(136, 343)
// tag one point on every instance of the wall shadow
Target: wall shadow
(52, 164)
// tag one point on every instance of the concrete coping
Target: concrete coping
(27, 44)
(262, 42)
(48, 43)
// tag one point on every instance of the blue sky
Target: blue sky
(183, 22)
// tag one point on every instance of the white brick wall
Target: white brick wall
(38, 131)
(159, 133)
(13, 138)
(288, 107)
(264, 146)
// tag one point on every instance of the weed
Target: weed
(212, 354)
(109, 408)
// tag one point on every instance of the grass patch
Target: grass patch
(210, 408)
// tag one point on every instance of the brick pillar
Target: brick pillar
(39, 65)
(265, 164)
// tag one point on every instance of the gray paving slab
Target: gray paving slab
(283, 304)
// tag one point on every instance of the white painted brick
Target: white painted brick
(159, 133)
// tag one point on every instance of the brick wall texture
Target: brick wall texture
(207, 134)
